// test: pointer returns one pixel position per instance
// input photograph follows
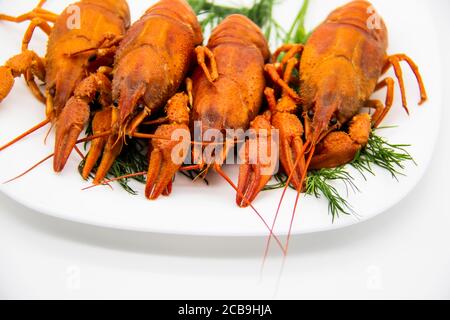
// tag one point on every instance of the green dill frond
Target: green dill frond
(297, 33)
(261, 12)
(281, 180)
(379, 152)
(321, 183)
(132, 159)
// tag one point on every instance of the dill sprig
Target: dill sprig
(261, 12)
(131, 160)
(321, 183)
(297, 33)
(379, 152)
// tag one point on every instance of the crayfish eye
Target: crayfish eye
(311, 114)
(52, 91)
(116, 103)
(92, 58)
(333, 121)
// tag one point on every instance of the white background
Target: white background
(403, 253)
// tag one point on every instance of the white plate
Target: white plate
(195, 208)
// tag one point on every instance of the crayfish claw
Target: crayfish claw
(6, 82)
(112, 150)
(292, 151)
(71, 122)
(101, 123)
(339, 148)
(168, 154)
(165, 160)
(258, 168)
(75, 115)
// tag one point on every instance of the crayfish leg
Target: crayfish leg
(290, 51)
(382, 110)
(394, 61)
(38, 12)
(35, 23)
(203, 53)
(27, 63)
(275, 76)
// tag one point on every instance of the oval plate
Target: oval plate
(195, 208)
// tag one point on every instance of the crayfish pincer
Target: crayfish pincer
(151, 63)
(74, 52)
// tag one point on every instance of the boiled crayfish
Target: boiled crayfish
(81, 47)
(339, 69)
(151, 64)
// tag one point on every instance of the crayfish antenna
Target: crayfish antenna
(300, 156)
(25, 134)
(299, 191)
(31, 169)
(107, 182)
(48, 133)
(52, 155)
(219, 170)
